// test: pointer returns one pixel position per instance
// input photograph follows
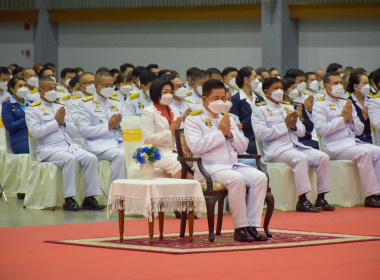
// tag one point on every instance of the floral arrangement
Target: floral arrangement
(147, 154)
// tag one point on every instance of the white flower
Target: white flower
(143, 155)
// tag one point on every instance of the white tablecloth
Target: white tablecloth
(152, 196)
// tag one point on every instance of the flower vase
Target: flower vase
(147, 170)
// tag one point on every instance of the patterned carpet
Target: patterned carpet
(173, 244)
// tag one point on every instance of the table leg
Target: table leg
(121, 221)
(161, 224)
(151, 228)
(191, 225)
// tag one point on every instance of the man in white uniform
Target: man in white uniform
(48, 122)
(194, 97)
(337, 123)
(217, 140)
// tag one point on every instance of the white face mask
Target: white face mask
(254, 84)
(181, 92)
(199, 90)
(54, 79)
(364, 90)
(227, 106)
(125, 89)
(91, 89)
(33, 81)
(320, 84)
(51, 95)
(259, 89)
(337, 90)
(293, 94)
(314, 85)
(233, 83)
(3, 85)
(166, 99)
(67, 82)
(107, 92)
(77, 92)
(277, 95)
(301, 87)
(216, 106)
(22, 92)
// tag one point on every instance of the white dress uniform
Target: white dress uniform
(4, 95)
(280, 144)
(339, 142)
(64, 96)
(219, 157)
(181, 106)
(194, 100)
(155, 131)
(135, 103)
(95, 112)
(54, 145)
(33, 95)
(73, 106)
(373, 105)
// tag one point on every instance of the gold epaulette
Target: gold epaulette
(66, 97)
(375, 95)
(187, 100)
(349, 94)
(196, 112)
(238, 89)
(114, 94)
(343, 98)
(285, 102)
(134, 96)
(76, 96)
(85, 99)
(261, 103)
(34, 104)
(34, 91)
(321, 98)
(58, 84)
(61, 90)
(59, 103)
(305, 92)
(188, 93)
(114, 98)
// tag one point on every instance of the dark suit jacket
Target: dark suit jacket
(366, 135)
(309, 126)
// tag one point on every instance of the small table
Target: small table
(155, 196)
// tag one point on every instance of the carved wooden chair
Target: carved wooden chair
(214, 191)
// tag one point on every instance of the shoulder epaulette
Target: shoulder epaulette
(66, 97)
(60, 103)
(58, 84)
(34, 91)
(196, 112)
(343, 98)
(114, 94)
(375, 95)
(187, 100)
(321, 98)
(306, 93)
(114, 98)
(285, 102)
(188, 93)
(238, 89)
(88, 98)
(61, 90)
(34, 104)
(349, 94)
(261, 103)
(134, 96)
(76, 96)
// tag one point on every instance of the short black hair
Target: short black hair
(151, 66)
(270, 81)
(190, 71)
(163, 72)
(100, 74)
(42, 71)
(45, 79)
(261, 69)
(354, 79)
(136, 72)
(123, 78)
(326, 77)
(287, 83)
(17, 70)
(213, 70)
(308, 74)
(211, 84)
(228, 70)
(375, 76)
(156, 88)
(333, 67)
(74, 81)
(12, 83)
(147, 76)
(5, 71)
(124, 67)
(196, 74)
(114, 71)
(78, 69)
(294, 73)
(51, 65)
(242, 73)
(102, 69)
(65, 71)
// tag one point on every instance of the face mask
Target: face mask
(3, 85)
(216, 106)
(32, 81)
(22, 92)
(279, 77)
(227, 106)
(181, 92)
(166, 99)
(301, 87)
(91, 89)
(77, 92)
(233, 83)
(125, 89)
(51, 95)
(67, 82)
(320, 84)
(107, 92)
(277, 95)
(54, 79)
(199, 90)
(254, 84)
(337, 90)
(293, 94)
(314, 85)
(365, 90)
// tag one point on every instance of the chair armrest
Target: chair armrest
(258, 163)
(201, 168)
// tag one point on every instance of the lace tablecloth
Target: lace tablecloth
(158, 195)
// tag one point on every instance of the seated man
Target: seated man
(278, 127)
(217, 140)
(99, 119)
(337, 122)
(48, 122)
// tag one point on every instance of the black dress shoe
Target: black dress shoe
(178, 215)
(372, 201)
(322, 203)
(20, 195)
(306, 206)
(71, 205)
(90, 203)
(242, 235)
(256, 235)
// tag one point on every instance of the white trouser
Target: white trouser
(117, 158)
(367, 159)
(69, 162)
(300, 159)
(245, 212)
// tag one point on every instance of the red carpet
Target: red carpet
(24, 255)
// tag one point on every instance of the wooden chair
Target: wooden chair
(214, 191)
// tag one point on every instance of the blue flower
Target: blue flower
(140, 159)
(158, 156)
(144, 150)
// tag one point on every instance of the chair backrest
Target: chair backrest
(259, 147)
(182, 148)
(32, 148)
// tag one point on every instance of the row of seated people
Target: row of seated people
(214, 136)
